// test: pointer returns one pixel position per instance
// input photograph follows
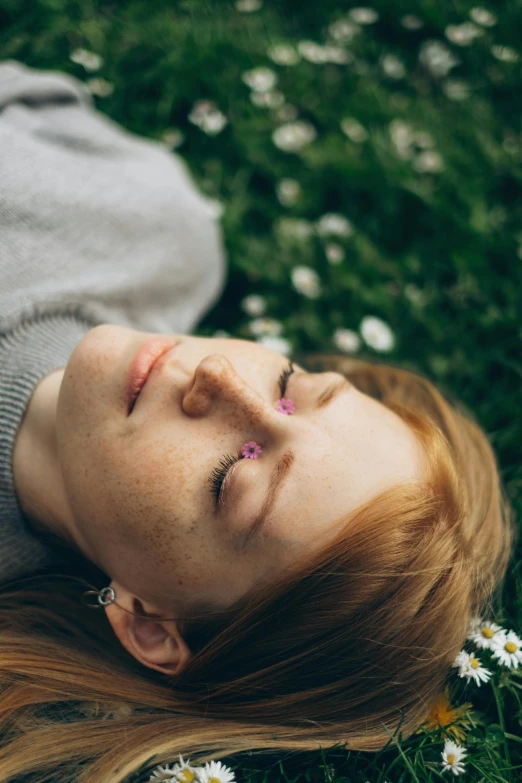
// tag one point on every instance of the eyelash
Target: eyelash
(225, 463)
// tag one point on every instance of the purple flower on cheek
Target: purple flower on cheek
(285, 406)
(251, 450)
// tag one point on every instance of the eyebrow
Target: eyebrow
(279, 473)
(330, 392)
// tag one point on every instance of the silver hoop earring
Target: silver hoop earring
(105, 596)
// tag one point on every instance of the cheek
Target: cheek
(166, 477)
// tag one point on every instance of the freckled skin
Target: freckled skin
(133, 492)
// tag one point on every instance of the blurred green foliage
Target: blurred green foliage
(431, 185)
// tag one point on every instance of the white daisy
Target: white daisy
(346, 340)
(411, 22)
(337, 55)
(276, 344)
(294, 135)
(334, 253)
(470, 668)
(393, 66)
(507, 647)
(474, 671)
(213, 123)
(505, 53)
(260, 79)
(483, 16)
(215, 772)
(428, 162)
(269, 99)
(161, 773)
(185, 772)
(288, 191)
(343, 31)
(260, 327)
(248, 6)
(376, 333)
(100, 87)
(199, 110)
(311, 51)
(452, 757)
(253, 305)
(456, 89)
(482, 632)
(207, 117)
(306, 281)
(437, 57)
(89, 60)
(402, 138)
(284, 54)
(463, 34)
(363, 15)
(461, 660)
(333, 223)
(354, 130)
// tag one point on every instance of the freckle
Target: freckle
(180, 581)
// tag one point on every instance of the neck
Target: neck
(37, 475)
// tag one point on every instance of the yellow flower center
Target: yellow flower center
(187, 776)
(510, 647)
(487, 632)
(474, 663)
(451, 758)
(214, 780)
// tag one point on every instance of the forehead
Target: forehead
(352, 450)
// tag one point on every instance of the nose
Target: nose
(218, 389)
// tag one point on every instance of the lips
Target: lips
(142, 365)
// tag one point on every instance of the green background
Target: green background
(436, 255)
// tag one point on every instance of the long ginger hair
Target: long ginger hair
(344, 649)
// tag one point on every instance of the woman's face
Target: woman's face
(140, 487)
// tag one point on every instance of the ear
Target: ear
(155, 643)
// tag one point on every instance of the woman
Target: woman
(284, 556)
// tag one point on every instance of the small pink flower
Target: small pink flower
(285, 406)
(251, 450)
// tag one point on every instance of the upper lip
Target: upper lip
(133, 389)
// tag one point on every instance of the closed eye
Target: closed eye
(219, 473)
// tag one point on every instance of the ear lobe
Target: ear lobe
(155, 643)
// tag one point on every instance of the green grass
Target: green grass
(436, 255)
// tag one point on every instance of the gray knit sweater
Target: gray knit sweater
(97, 225)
